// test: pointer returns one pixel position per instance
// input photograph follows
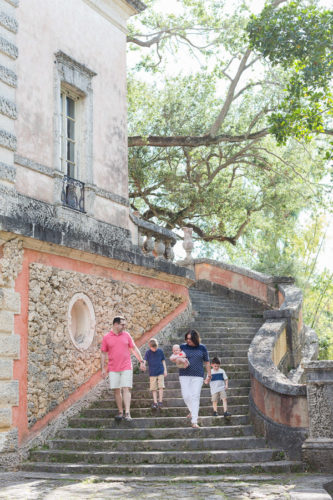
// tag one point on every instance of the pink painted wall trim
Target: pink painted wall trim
(282, 409)
(21, 328)
(232, 280)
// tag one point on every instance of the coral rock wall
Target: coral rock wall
(55, 364)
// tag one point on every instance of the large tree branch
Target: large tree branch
(230, 95)
(192, 141)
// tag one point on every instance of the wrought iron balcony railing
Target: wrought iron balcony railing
(72, 194)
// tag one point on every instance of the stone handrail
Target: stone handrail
(278, 402)
(153, 239)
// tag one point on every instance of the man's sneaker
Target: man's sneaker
(119, 417)
(127, 417)
(160, 404)
(226, 414)
(215, 414)
(154, 406)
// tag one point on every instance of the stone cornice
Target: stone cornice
(139, 6)
(63, 58)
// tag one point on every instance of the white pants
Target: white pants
(191, 390)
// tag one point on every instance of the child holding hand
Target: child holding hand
(218, 387)
(157, 371)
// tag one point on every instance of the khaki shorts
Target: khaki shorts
(156, 382)
(121, 379)
(222, 394)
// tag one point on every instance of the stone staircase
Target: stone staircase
(162, 443)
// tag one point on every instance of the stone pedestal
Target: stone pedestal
(318, 448)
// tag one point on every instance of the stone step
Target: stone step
(168, 401)
(215, 312)
(240, 331)
(197, 444)
(166, 411)
(172, 380)
(226, 340)
(176, 393)
(162, 421)
(171, 470)
(236, 388)
(177, 433)
(226, 349)
(156, 457)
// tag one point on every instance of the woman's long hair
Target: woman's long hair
(195, 337)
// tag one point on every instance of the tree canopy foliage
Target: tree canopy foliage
(203, 149)
(300, 39)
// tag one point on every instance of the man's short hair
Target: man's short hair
(118, 319)
(216, 361)
(153, 343)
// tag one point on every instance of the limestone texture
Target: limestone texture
(56, 368)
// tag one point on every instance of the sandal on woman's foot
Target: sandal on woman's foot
(195, 426)
(189, 415)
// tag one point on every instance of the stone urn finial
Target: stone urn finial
(188, 245)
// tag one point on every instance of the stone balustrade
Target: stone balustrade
(154, 240)
(278, 401)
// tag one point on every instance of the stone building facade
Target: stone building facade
(71, 254)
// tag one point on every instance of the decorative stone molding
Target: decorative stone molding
(8, 140)
(7, 172)
(109, 195)
(8, 22)
(36, 167)
(8, 76)
(8, 48)
(318, 448)
(81, 321)
(8, 108)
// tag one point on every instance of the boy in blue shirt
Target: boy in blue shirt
(157, 371)
(218, 387)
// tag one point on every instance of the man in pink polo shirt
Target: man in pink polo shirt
(119, 346)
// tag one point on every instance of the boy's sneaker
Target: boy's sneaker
(226, 414)
(119, 417)
(154, 406)
(215, 414)
(160, 404)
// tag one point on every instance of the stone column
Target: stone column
(318, 448)
(10, 266)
